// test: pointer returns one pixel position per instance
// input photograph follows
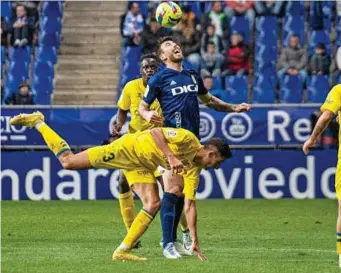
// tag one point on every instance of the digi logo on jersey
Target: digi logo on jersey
(11, 132)
(207, 126)
(237, 127)
(184, 89)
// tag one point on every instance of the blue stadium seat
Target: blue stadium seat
(337, 78)
(51, 39)
(52, 8)
(291, 89)
(6, 11)
(338, 31)
(326, 14)
(3, 55)
(266, 54)
(293, 25)
(42, 85)
(217, 83)
(264, 88)
(129, 69)
(12, 83)
(266, 24)
(194, 6)
(319, 36)
(318, 88)
(50, 24)
(241, 25)
(43, 70)
(20, 54)
(17, 69)
(236, 89)
(45, 54)
(219, 93)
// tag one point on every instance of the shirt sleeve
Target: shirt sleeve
(152, 91)
(176, 136)
(201, 87)
(333, 100)
(124, 102)
(191, 183)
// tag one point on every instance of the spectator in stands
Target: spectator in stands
(237, 57)
(22, 97)
(4, 32)
(293, 59)
(211, 36)
(132, 25)
(189, 17)
(211, 62)
(217, 18)
(337, 73)
(240, 8)
(150, 36)
(189, 39)
(268, 7)
(319, 62)
(22, 27)
(31, 8)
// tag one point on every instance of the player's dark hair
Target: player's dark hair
(161, 41)
(148, 56)
(222, 147)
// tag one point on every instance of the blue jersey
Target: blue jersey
(177, 93)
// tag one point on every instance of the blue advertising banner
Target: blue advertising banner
(271, 174)
(278, 125)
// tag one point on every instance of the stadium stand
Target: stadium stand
(76, 45)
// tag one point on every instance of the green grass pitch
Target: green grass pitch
(236, 235)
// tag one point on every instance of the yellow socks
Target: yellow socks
(55, 143)
(138, 227)
(127, 208)
(183, 222)
(338, 243)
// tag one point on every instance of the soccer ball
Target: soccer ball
(168, 14)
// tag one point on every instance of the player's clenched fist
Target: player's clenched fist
(243, 107)
(116, 129)
(309, 143)
(154, 117)
(175, 164)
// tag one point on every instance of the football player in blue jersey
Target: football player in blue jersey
(177, 89)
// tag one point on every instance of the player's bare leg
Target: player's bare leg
(171, 210)
(56, 144)
(149, 196)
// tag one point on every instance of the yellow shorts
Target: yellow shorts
(141, 175)
(338, 180)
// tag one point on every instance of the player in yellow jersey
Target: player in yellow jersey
(177, 150)
(330, 108)
(129, 101)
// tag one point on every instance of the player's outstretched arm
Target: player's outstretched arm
(121, 118)
(149, 115)
(191, 217)
(161, 142)
(221, 106)
(320, 126)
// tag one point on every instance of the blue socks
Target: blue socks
(167, 214)
(178, 211)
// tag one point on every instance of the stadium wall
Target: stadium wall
(266, 162)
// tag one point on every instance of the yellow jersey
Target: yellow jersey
(139, 152)
(333, 104)
(130, 100)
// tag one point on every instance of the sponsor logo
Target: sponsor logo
(207, 126)
(184, 89)
(11, 132)
(173, 82)
(171, 133)
(237, 127)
